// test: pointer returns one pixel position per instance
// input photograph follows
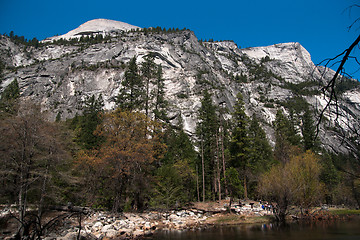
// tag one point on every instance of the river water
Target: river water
(339, 230)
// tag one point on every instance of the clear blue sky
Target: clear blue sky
(319, 25)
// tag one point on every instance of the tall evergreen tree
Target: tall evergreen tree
(308, 131)
(261, 149)
(179, 146)
(260, 153)
(239, 147)
(206, 132)
(131, 96)
(293, 133)
(285, 137)
(92, 108)
(158, 94)
(224, 140)
(176, 174)
(148, 70)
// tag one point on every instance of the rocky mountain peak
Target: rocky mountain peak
(278, 51)
(95, 26)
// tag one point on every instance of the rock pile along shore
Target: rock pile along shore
(98, 225)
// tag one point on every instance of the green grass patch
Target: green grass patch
(237, 219)
(230, 218)
(345, 211)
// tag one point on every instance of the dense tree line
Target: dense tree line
(22, 40)
(84, 39)
(132, 158)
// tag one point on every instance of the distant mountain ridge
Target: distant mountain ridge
(59, 75)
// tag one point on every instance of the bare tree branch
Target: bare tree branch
(349, 9)
(330, 87)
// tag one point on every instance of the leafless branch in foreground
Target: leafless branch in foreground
(330, 89)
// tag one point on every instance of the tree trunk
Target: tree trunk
(156, 103)
(147, 97)
(117, 201)
(218, 167)
(215, 185)
(197, 184)
(245, 187)
(43, 191)
(223, 156)
(280, 210)
(203, 169)
(21, 203)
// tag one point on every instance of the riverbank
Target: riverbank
(106, 225)
(101, 225)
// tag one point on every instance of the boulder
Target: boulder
(111, 233)
(138, 232)
(107, 227)
(147, 225)
(97, 226)
(173, 217)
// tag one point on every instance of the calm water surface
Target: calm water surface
(347, 230)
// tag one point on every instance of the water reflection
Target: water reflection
(335, 230)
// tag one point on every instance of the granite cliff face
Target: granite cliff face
(58, 75)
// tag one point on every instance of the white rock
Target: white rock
(173, 217)
(147, 225)
(138, 232)
(97, 226)
(111, 233)
(106, 228)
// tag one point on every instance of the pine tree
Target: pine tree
(148, 70)
(179, 147)
(176, 174)
(234, 184)
(261, 157)
(224, 139)
(239, 147)
(260, 153)
(285, 136)
(308, 131)
(206, 132)
(131, 96)
(92, 108)
(293, 135)
(158, 94)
